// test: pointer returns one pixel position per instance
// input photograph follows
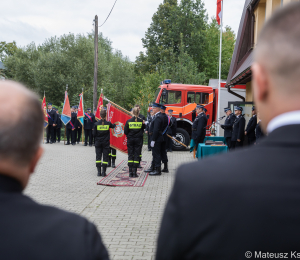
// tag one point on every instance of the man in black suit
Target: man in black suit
(199, 126)
(237, 138)
(89, 121)
(165, 126)
(250, 129)
(245, 204)
(171, 130)
(227, 126)
(30, 230)
(58, 127)
(52, 119)
(71, 127)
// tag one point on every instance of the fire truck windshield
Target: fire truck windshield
(156, 94)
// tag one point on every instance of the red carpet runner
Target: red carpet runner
(120, 176)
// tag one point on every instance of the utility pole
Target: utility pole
(95, 64)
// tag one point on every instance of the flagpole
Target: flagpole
(65, 125)
(83, 117)
(220, 63)
(44, 123)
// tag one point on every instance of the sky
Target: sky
(34, 20)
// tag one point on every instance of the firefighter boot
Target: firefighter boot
(130, 172)
(109, 162)
(140, 166)
(104, 170)
(134, 175)
(165, 169)
(99, 170)
(113, 162)
(156, 172)
(150, 169)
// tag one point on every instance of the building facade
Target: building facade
(255, 14)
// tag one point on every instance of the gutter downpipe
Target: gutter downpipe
(235, 94)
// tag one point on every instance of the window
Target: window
(156, 94)
(172, 97)
(191, 97)
(202, 98)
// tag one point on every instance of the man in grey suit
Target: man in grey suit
(245, 204)
(30, 230)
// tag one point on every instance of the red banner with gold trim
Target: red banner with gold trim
(118, 139)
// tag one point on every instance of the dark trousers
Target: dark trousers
(228, 141)
(236, 144)
(71, 134)
(79, 132)
(50, 133)
(58, 133)
(149, 141)
(169, 143)
(88, 136)
(251, 140)
(112, 153)
(141, 148)
(134, 151)
(163, 151)
(156, 154)
(102, 154)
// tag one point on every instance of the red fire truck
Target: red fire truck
(182, 99)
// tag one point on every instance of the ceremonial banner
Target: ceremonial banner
(219, 11)
(118, 139)
(80, 113)
(99, 107)
(44, 108)
(66, 112)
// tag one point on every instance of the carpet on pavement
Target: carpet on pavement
(120, 176)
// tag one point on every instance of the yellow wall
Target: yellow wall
(260, 17)
(249, 94)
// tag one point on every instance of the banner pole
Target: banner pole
(83, 117)
(65, 135)
(220, 68)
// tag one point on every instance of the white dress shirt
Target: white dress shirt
(289, 118)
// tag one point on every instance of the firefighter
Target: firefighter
(199, 126)
(163, 151)
(250, 129)
(227, 126)
(89, 121)
(134, 129)
(102, 142)
(142, 137)
(238, 136)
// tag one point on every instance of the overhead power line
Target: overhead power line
(108, 14)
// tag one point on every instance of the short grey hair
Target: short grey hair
(278, 48)
(21, 131)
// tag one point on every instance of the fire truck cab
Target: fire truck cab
(182, 99)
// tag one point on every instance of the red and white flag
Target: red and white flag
(80, 113)
(44, 108)
(118, 139)
(219, 11)
(99, 107)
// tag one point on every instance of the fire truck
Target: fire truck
(182, 99)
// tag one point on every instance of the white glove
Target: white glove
(152, 143)
(173, 137)
(146, 122)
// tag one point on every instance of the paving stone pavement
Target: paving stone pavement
(128, 218)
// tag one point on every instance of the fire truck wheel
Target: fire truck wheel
(182, 136)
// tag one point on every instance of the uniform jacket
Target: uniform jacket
(74, 121)
(199, 128)
(156, 128)
(33, 231)
(232, 210)
(238, 131)
(142, 117)
(102, 132)
(59, 122)
(251, 126)
(259, 132)
(165, 125)
(149, 119)
(52, 117)
(172, 126)
(134, 129)
(89, 124)
(229, 121)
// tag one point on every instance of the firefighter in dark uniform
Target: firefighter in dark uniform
(52, 121)
(250, 129)
(227, 126)
(156, 129)
(142, 137)
(149, 120)
(71, 127)
(199, 126)
(58, 127)
(163, 151)
(89, 121)
(78, 129)
(102, 141)
(171, 130)
(134, 129)
(237, 138)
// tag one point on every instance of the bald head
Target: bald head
(276, 68)
(21, 124)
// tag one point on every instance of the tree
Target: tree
(7, 49)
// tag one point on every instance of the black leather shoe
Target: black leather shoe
(51, 142)
(149, 149)
(156, 172)
(90, 145)
(134, 175)
(67, 143)
(150, 169)
(165, 169)
(85, 145)
(47, 143)
(73, 144)
(58, 141)
(77, 142)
